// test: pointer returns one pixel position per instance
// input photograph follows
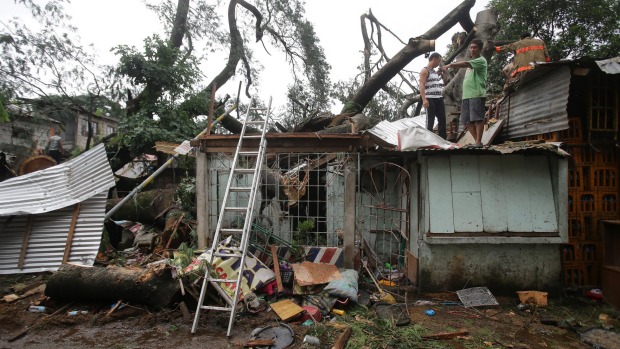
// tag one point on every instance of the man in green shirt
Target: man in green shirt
(474, 91)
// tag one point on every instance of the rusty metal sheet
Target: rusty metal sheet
(308, 273)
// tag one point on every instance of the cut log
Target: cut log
(153, 287)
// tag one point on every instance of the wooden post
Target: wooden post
(202, 200)
(349, 214)
(276, 268)
(76, 213)
(22, 253)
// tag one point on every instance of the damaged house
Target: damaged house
(445, 218)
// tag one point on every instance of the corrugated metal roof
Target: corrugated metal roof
(387, 131)
(48, 237)
(59, 186)
(610, 66)
(539, 106)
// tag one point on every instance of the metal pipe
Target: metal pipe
(161, 169)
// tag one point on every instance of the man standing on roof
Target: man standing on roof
(474, 91)
(431, 91)
(527, 50)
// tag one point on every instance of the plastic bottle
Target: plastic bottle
(36, 309)
(338, 312)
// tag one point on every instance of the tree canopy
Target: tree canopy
(570, 29)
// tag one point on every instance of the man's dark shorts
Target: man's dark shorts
(472, 110)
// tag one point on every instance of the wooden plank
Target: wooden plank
(276, 268)
(542, 205)
(349, 214)
(22, 253)
(286, 309)
(202, 200)
(517, 193)
(308, 273)
(446, 335)
(74, 217)
(440, 195)
(412, 267)
(494, 214)
(464, 174)
(467, 212)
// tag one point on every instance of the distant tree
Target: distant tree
(45, 67)
(195, 29)
(570, 29)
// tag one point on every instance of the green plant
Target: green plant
(186, 195)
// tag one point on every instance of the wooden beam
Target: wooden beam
(202, 200)
(349, 214)
(447, 335)
(276, 268)
(22, 253)
(76, 213)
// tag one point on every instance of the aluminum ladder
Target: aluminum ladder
(237, 191)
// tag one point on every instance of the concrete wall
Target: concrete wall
(503, 268)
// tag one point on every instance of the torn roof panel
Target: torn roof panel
(59, 186)
(387, 131)
(610, 66)
(46, 241)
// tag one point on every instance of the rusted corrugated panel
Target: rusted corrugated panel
(539, 106)
(388, 131)
(59, 186)
(48, 237)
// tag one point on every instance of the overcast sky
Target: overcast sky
(337, 24)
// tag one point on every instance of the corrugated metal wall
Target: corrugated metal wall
(48, 237)
(539, 106)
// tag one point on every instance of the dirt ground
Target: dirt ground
(134, 326)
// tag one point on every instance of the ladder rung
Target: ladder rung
(231, 231)
(253, 136)
(219, 254)
(248, 153)
(238, 189)
(245, 170)
(222, 280)
(236, 209)
(211, 307)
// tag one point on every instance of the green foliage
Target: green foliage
(139, 132)
(186, 194)
(305, 226)
(570, 29)
(159, 69)
(372, 332)
(47, 58)
(4, 115)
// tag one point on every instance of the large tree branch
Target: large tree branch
(414, 48)
(180, 24)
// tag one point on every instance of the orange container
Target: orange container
(533, 297)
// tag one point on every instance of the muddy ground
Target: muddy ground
(134, 326)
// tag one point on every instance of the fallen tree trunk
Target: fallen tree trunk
(153, 287)
(146, 207)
